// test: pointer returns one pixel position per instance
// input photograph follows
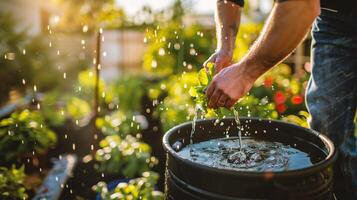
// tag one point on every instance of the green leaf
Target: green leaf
(193, 92)
(202, 77)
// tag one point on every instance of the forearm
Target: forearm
(227, 23)
(285, 28)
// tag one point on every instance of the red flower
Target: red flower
(268, 82)
(279, 97)
(281, 108)
(297, 99)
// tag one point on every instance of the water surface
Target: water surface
(255, 155)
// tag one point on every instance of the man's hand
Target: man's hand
(229, 85)
(221, 59)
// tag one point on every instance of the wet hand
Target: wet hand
(221, 59)
(229, 85)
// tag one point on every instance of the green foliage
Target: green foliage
(85, 86)
(137, 189)
(51, 110)
(178, 106)
(77, 108)
(118, 123)
(198, 92)
(92, 13)
(127, 156)
(12, 184)
(127, 93)
(23, 133)
(300, 119)
(173, 49)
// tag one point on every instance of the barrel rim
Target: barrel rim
(323, 164)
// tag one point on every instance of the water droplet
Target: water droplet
(154, 64)
(161, 51)
(177, 46)
(193, 52)
(85, 28)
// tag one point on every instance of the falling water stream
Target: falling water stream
(236, 118)
(195, 117)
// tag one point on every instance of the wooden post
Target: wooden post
(96, 103)
(97, 67)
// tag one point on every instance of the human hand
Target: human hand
(229, 85)
(221, 59)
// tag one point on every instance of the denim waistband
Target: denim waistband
(335, 22)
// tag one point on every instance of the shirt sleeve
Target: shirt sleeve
(238, 2)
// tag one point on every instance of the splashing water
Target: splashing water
(195, 117)
(236, 118)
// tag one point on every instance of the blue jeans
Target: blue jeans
(332, 91)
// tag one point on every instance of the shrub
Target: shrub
(77, 108)
(137, 189)
(178, 106)
(173, 49)
(51, 109)
(118, 123)
(127, 156)
(12, 184)
(127, 93)
(285, 89)
(23, 133)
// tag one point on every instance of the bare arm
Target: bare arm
(227, 17)
(285, 28)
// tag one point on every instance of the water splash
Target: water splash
(239, 127)
(195, 117)
(194, 123)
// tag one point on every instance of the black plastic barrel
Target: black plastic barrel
(187, 180)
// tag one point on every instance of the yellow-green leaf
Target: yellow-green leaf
(202, 77)
(193, 92)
